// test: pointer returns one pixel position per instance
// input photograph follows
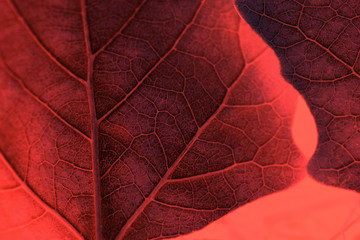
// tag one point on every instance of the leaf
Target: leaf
(137, 120)
(24, 215)
(309, 210)
(318, 46)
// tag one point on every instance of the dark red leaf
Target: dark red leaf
(318, 43)
(136, 119)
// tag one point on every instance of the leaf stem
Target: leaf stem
(94, 125)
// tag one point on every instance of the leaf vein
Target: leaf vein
(37, 199)
(41, 45)
(37, 99)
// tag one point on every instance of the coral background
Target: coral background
(308, 210)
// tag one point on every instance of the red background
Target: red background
(308, 210)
